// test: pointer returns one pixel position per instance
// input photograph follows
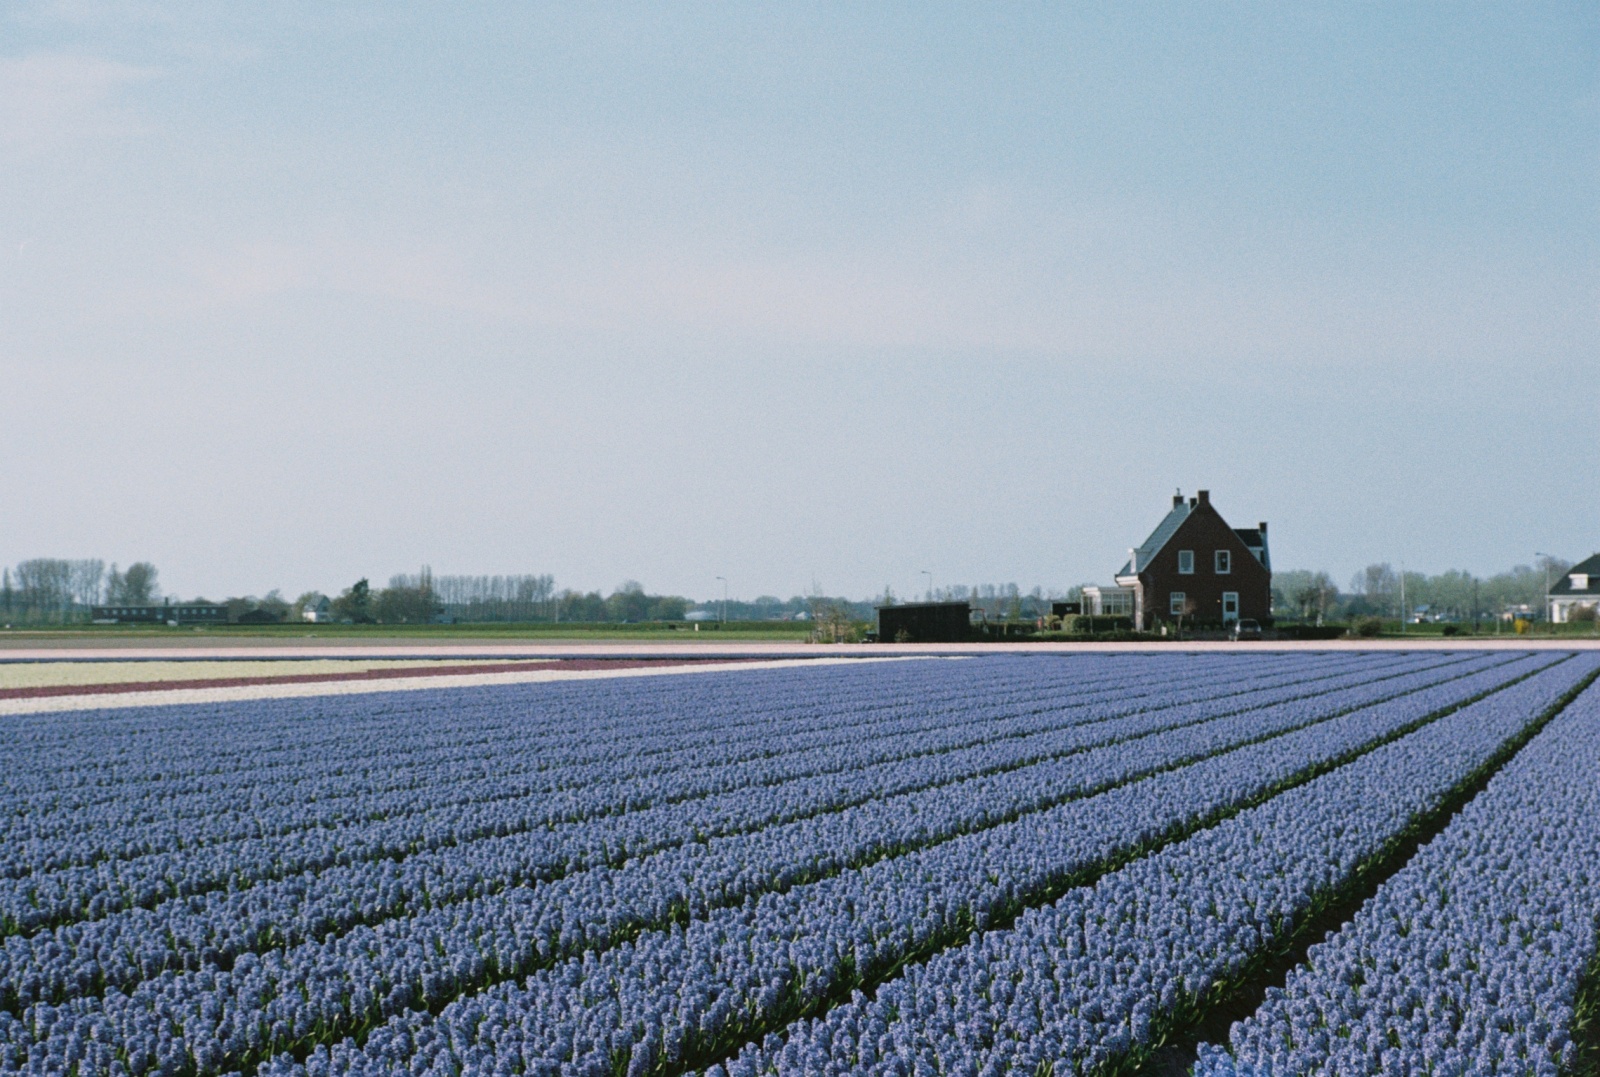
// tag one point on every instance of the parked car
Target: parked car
(1245, 628)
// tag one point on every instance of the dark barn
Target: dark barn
(925, 622)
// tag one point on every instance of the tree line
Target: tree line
(423, 598)
(1380, 590)
(48, 590)
(53, 590)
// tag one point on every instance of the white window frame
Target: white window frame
(1175, 602)
(1186, 562)
(1223, 562)
(1228, 596)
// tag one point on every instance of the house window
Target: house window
(1230, 606)
(1186, 562)
(1580, 581)
(1175, 603)
(1224, 562)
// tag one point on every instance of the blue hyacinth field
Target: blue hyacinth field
(1258, 863)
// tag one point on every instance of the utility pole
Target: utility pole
(724, 580)
(1402, 598)
(1546, 583)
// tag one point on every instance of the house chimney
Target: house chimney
(1191, 502)
(1205, 497)
(1133, 560)
(1262, 527)
(1177, 500)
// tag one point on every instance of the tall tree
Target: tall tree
(44, 585)
(355, 603)
(139, 584)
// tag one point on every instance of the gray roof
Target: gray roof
(1158, 538)
(1564, 586)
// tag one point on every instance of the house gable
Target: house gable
(1587, 574)
(1159, 538)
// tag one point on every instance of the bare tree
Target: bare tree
(490, 598)
(831, 621)
(44, 588)
(1379, 584)
(87, 577)
(1312, 599)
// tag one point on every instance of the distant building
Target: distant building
(925, 622)
(1195, 566)
(317, 610)
(168, 613)
(1579, 587)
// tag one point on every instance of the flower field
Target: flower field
(1031, 865)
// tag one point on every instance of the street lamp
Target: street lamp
(1402, 598)
(928, 574)
(724, 580)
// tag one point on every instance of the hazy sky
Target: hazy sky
(827, 293)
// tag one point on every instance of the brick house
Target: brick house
(1193, 563)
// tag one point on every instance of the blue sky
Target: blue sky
(792, 294)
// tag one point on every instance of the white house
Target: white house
(1579, 587)
(317, 610)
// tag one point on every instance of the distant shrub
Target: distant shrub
(1586, 614)
(1081, 624)
(1312, 632)
(1367, 627)
(1450, 630)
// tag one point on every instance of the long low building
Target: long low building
(183, 613)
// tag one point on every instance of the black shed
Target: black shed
(925, 622)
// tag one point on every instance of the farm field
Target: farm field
(1265, 862)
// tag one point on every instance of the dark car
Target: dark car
(1245, 628)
